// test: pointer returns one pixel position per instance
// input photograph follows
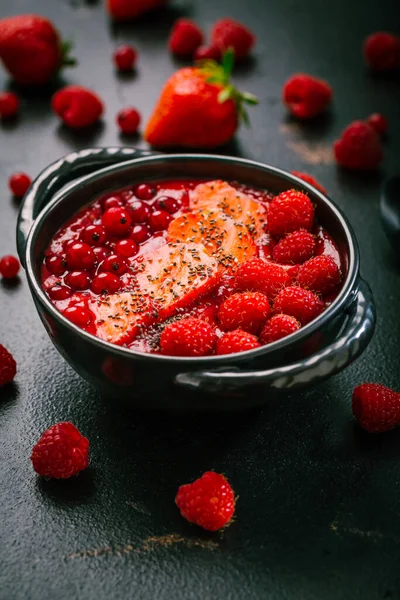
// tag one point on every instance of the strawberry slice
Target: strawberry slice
(219, 195)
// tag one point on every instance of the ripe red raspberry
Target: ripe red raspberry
(125, 58)
(8, 366)
(306, 96)
(77, 106)
(296, 247)
(9, 105)
(278, 327)
(208, 502)
(237, 341)
(185, 37)
(301, 304)
(319, 274)
(19, 184)
(9, 267)
(310, 179)
(359, 147)
(256, 275)
(188, 337)
(247, 311)
(378, 123)
(207, 53)
(61, 452)
(290, 211)
(228, 33)
(376, 407)
(128, 120)
(382, 51)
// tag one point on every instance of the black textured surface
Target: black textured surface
(317, 515)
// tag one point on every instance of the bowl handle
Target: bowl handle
(58, 174)
(354, 338)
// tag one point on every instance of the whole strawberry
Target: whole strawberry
(77, 106)
(8, 366)
(61, 452)
(126, 10)
(228, 33)
(188, 337)
(237, 341)
(31, 49)
(198, 107)
(306, 96)
(376, 407)
(208, 502)
(359, 147)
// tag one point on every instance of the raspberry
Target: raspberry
(208, 502)
(299, 303)
(306, 96)
(61, 452)
(207, 53)
(8, 366)
(19, 184)
(237, 341)
(378, 123)
(128, 120)
(310, 179)
(246, 311)
(9, 267)
(290, 211)
(295, 248)
(382, 51)
(9, 105)
(185, 37)
(77, 106)
(319, 274)
(359, 148)
(228, 33)
(125, 58)
(188, 337)
(376, 407)
(278, 327)
(256, 275)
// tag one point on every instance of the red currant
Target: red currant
(140, 233)
(112, 202)
(139, 211)
(94, 234)
(59, 292)
(9, 105)
(78, 280)
(19, 184)
(78, 315)
(126, 195)
(207, 52)
(9, 267)
(117, 221)
(167, 203)
(106, 283)
(126, 248)
(144, 191)
(378, 122)
(114, 264)
(57, 265)
(128, 121)
(159, 220)
(80, 256)
(125, 58)
(101, 252)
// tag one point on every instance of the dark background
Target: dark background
(318, 509)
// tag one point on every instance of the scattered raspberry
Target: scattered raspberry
(256, 275)
(382, 51)
(9, 105)
(299, 303)
(8, 366)
(207, 53)
(306, 96)
(185, 37)
(188, 337)
(296, 247)
(19, 184)
(290, 211)
(311, 180)
(61, 452)
(376, 407)
(77, 106)
(208, 502)
(125, 58)
(378, 123)
(319, 274)
(278, 327)
(246, 311)
(359, 147)
(228, 33)
(128, 120)
(237, 341)
(9, 267)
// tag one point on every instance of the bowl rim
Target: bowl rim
(337, 305)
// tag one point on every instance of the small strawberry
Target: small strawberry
(247, 311)
(378, 123)
(9, 105)
(8, 366)
(61, 452)
(290, 211)
(77, 106)
(188, 337)
(319, 274)
(311, 180)
(237, 341)
(127, 10)
(376, 407)
(31, 49)
(295, 248)
(205, 92)
(306, 96)
(382, 51)
(228, 33)
(359, 147)
(185, 37)
(278, 327)
(9, 267)
(301, 304)
(256, 275)
(208, 502)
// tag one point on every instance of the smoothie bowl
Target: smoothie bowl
(161, 279)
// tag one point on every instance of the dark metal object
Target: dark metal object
(390, 210)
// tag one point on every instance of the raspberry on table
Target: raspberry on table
(290, 211)
(9, 105)
(359, 147)
(19, 184)
(310, 179)
(246, 310)
(257, 275)
(306, 96)
(382, 51)
(77, 106)
(128, 120)
(295, 248)
(376, 407)
(378, 123)
(319, 274)
(188, 337)
(8, 366)
(237, 341)
(125, 58)
(185, 37)
(278, 327)
(9, 267)
(228, 33)
(208, 502)
(61, 452)
(301, 304)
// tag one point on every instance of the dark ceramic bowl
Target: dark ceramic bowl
(315, 352)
